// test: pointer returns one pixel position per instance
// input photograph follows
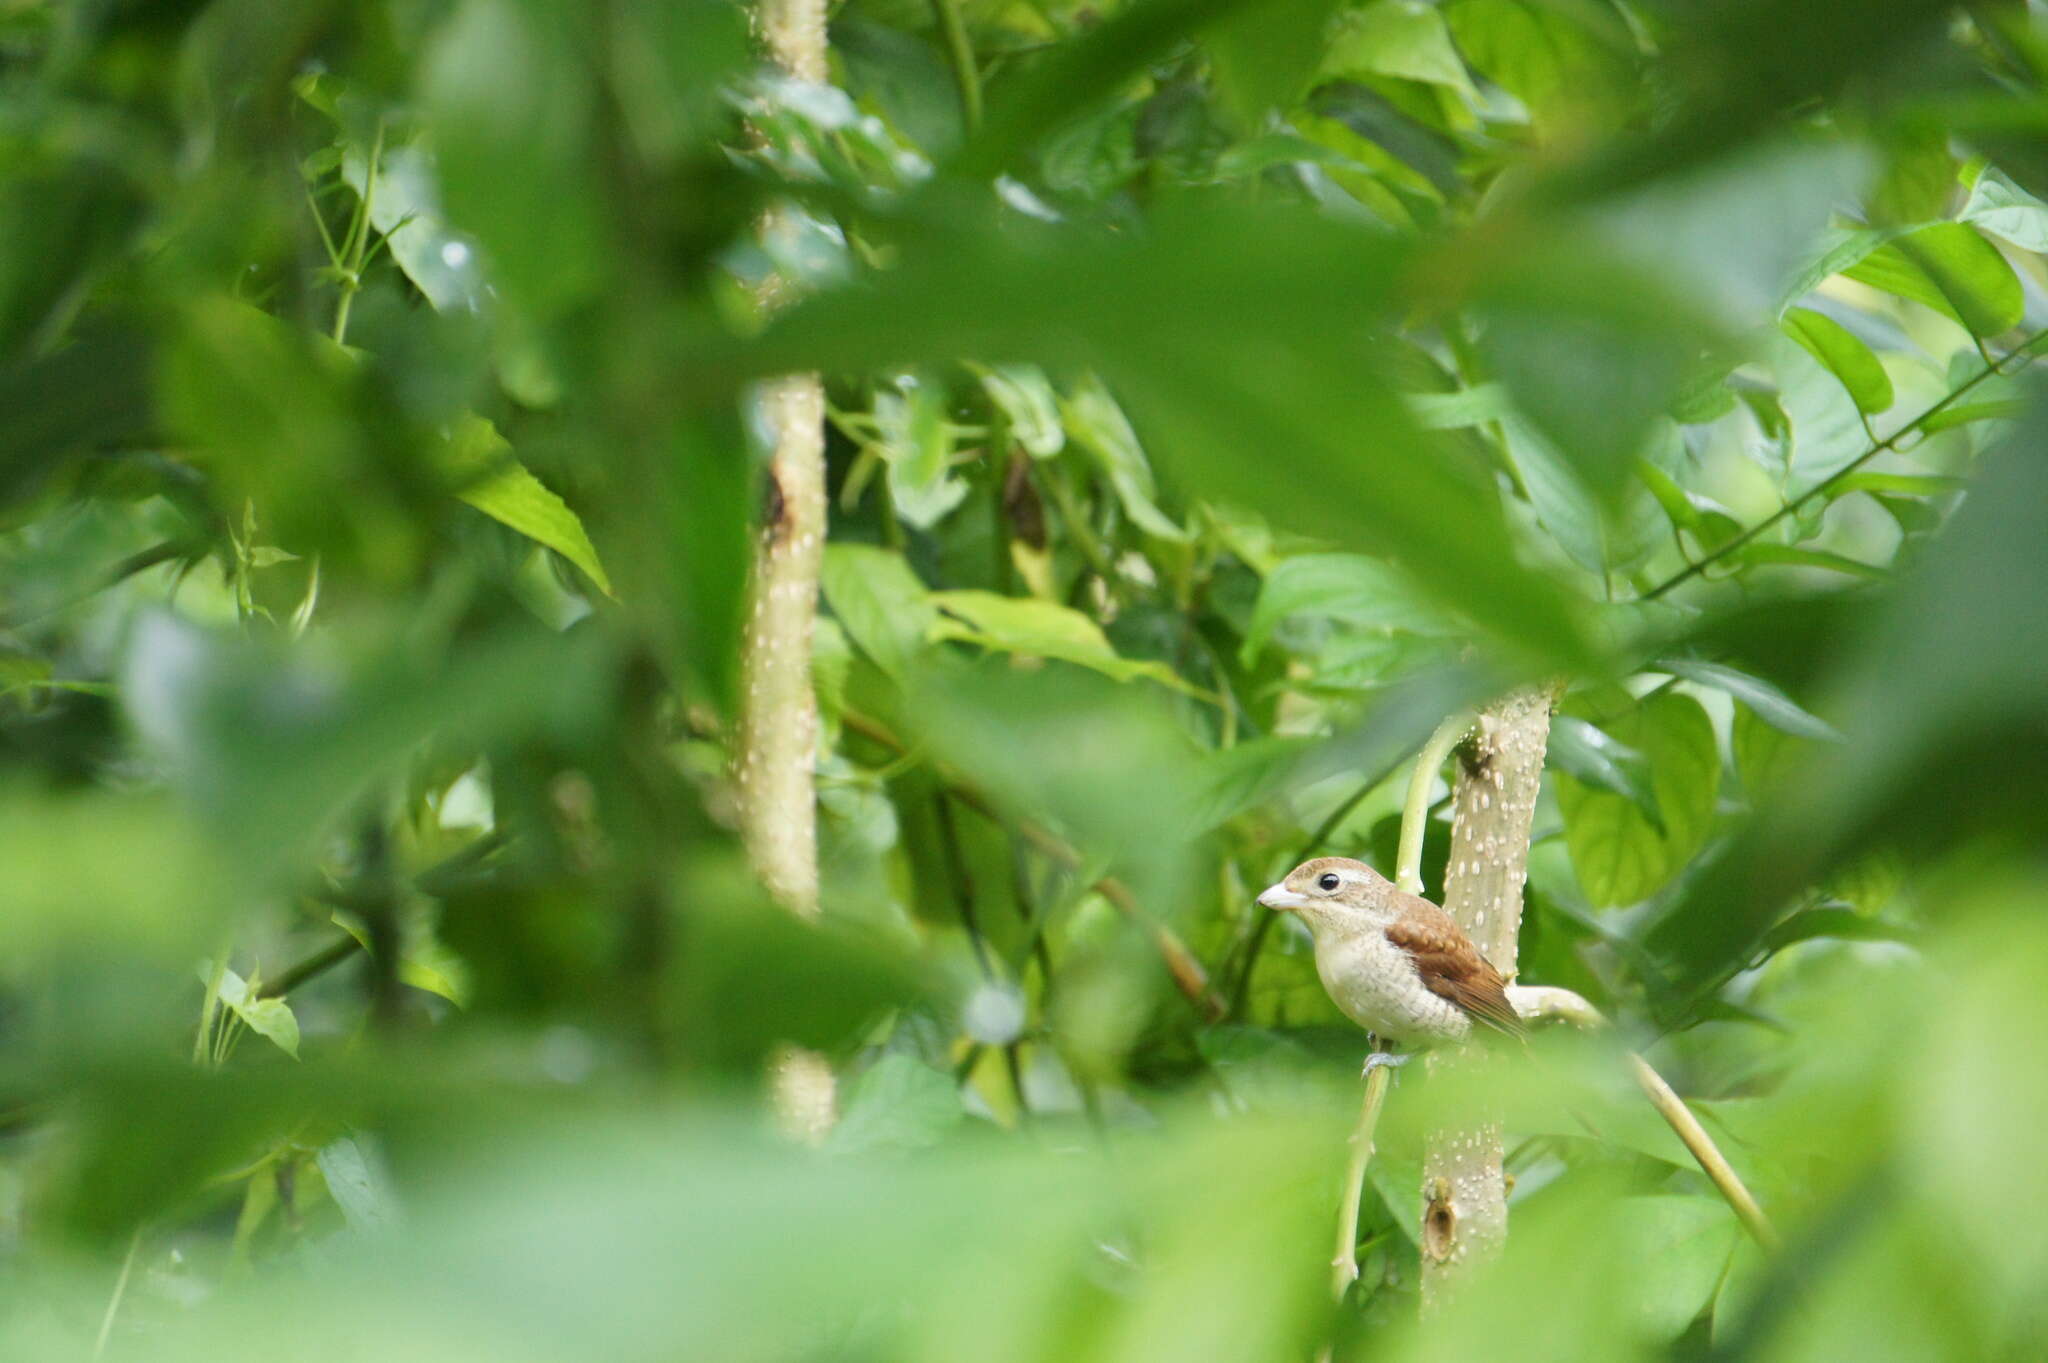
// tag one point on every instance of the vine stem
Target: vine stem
(1877, 447)
(960, 52)
(1408, 877)
(1674, 1111)
(1415, 812)
(357, 244)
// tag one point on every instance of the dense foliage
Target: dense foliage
(1220, 393)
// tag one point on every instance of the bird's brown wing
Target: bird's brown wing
(1451, 967)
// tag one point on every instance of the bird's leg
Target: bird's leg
(1380, 1058)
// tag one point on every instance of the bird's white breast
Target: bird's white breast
(1376, 985)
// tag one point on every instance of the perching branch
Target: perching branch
(1539, 1002)
(1493, 805)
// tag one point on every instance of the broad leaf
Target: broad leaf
(486, 474)
(1621, 857)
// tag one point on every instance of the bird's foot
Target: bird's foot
(1384, 1058)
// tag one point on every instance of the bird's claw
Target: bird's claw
(1384, 1058)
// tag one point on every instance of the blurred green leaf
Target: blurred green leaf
(1027, 400)
(898, 1104)
(1950, 268)
(1348, 587)
(510, 108)
(1401, 38)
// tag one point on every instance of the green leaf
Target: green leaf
(1264, 55)
(1845, 355)
(900, 1103)
(1683, 1241)
(357, 1182)
(1536, 52)
(271, 1019)
(1035, 628)
(1027, 400)
(1827, 430)
(915, 443)
(1799, 556)
(1403, 38)
(1948, 267)
(1902, 484)
(1963, 413)
(1468, 407)
(1100, 427)
(880, 602)
(511, 111)
(1621, 857)
(1348, 587)
(1598, 539)
(1772, 706)
(1253, 414)
(487, 475)
(1843, 924)
(1598, 760)
(2006, 211)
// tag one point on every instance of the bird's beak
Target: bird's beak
(1280, 898)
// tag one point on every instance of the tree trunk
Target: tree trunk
(1464, 1195)
(776, 753)
(775, 756)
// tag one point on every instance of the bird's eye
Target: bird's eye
(1328, 880)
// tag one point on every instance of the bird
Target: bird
(1394, 963)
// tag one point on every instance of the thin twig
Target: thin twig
(1344, 1264)
(1700, 565)
(1415, 812)
(1674, 1111)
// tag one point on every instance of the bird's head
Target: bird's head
(1331, 890)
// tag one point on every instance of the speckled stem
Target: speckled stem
(775, 753)
(1464, 1196)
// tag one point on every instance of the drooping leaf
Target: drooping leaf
(1845, 355)
(2006, 211)
(480, 464)
(1948, 267)
(880, 602)
(1100, 427)
(1403, 38)
(1034, 628)
(1772, 705)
